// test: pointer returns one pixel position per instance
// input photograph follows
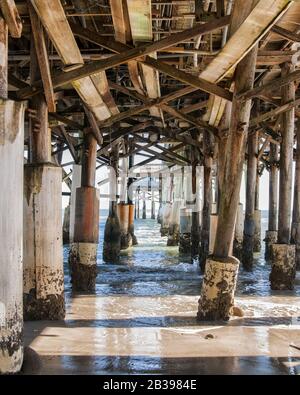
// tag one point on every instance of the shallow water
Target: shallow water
(141, 319)
(152, 268)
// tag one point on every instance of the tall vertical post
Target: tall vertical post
(112, 231)
(43, 254)
(152, 204)
(137, 202)
(167, 191)
(195, 228)
(132, 206)
(173, 236)
(271, 233)
(76, 183)
(3, 59)
(283, 254)
(186, 212)
(207, 199)
(160, 197)
(295, 237)
(83, 253)
(144, 205)
(257, 216)
(11, 223)
(216, 300)
(249, 224)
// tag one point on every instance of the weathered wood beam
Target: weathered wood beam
(69, 143)
(147, 161)
(16, 82)
(94, 126)
(189, 79)
(117, 136)
(286, 33)
(263, 16)
(192, 120)
(156, 155)
(55, 22)
(12, 17)
(162, 103)
(163, 149)
(263, 147)
(42, 57)
(286, 162)
(274, 113)
(274, 85)
(66, 121)
(125, 54)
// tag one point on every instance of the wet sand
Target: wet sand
(141, 319)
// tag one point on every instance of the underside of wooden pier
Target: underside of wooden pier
(204, 84)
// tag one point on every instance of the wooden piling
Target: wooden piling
(271, 233)
(3, 58)
(11, 232)
(257, 216)
(295, 234)
(83, 252)
(132, 206)
(43, 254)
(207, 199)
(283, 254)
(249, 225)
(112, 231)
(144, 216)
(213, 305)
(195, 229)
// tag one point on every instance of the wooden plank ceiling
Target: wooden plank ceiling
(176, 89)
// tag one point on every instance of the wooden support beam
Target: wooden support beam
(69, 143)
(273, 113)
(116, 136)
(263, 16)
(286, 161)
(55, 22)
(67, 121)
(249, 224)
(274, 85)
(16, 82)
(235, 153)
(189, 79)
(88, 159)
(295, 234)
(42, 57)
(163, 149)
(94, 126)
(263, 147)
(286, 33)
(12, 17)
(273, 188)
(3, 58)
(192, 120)
(126, 53)
(158, 155)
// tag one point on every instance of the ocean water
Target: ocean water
(141, 319)
(153, 269)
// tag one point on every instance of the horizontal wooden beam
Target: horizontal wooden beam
(66, 121)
